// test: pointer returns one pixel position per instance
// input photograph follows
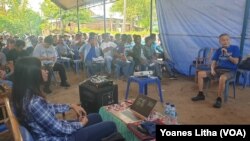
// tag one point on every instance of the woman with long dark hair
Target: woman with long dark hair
(38, 116)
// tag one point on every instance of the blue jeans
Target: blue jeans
(95, 130)
(156, 68)
(131, 67)
(93, 68)
(108, 62)
(119, 64)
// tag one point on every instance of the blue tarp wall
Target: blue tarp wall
(188, 25)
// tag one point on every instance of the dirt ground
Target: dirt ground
(178, 92)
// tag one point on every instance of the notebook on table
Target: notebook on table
(139, 110)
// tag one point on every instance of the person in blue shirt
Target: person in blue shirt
(223, 67)
(88, 52)
(158, 49)
(35, 113)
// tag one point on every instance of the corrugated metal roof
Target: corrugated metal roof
(70, 4)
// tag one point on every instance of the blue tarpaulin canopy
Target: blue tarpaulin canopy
(188, 25)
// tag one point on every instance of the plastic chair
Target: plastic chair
(143, 85)
(227, 84)
(226, 91)
(202, 61)
(233, 81)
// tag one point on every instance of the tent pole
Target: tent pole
(104, 16)
(124, 16)
(61, 24)
(78, 22)
(151, 15)
(244, 27)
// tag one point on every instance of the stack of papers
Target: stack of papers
(99, 59)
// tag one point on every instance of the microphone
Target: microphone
(223, 51)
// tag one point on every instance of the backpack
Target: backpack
(245, 64)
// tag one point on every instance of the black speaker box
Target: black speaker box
(92, 98)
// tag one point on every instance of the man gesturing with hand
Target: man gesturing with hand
(223, 67)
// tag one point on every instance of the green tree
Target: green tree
(71, 16)
(52, 12)
(137, 12)
(17, 18)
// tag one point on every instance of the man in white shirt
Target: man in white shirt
(108, 51)
(47, 54)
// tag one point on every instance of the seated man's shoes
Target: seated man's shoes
(217, 103)
(173, 77)
(47, 90)
(198, 97)
(65, 84)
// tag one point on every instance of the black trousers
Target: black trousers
(57, 67)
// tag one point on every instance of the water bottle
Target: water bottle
(173, 114)
(167, 109)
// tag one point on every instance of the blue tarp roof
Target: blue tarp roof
(188, 25)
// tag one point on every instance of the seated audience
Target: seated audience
(62, 49)
(3, 63)
(10, 45)
(88, 52)
(76, 44)
(15, 53)
(33, 42)
(4, 70)
(158, 49)
(151, 56)
(35, 113)
(120, 60)
(138, 54)
(129, 52)
(224, 65)
(108, 48)
(47, 54)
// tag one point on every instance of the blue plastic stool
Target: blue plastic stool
(143, 85)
